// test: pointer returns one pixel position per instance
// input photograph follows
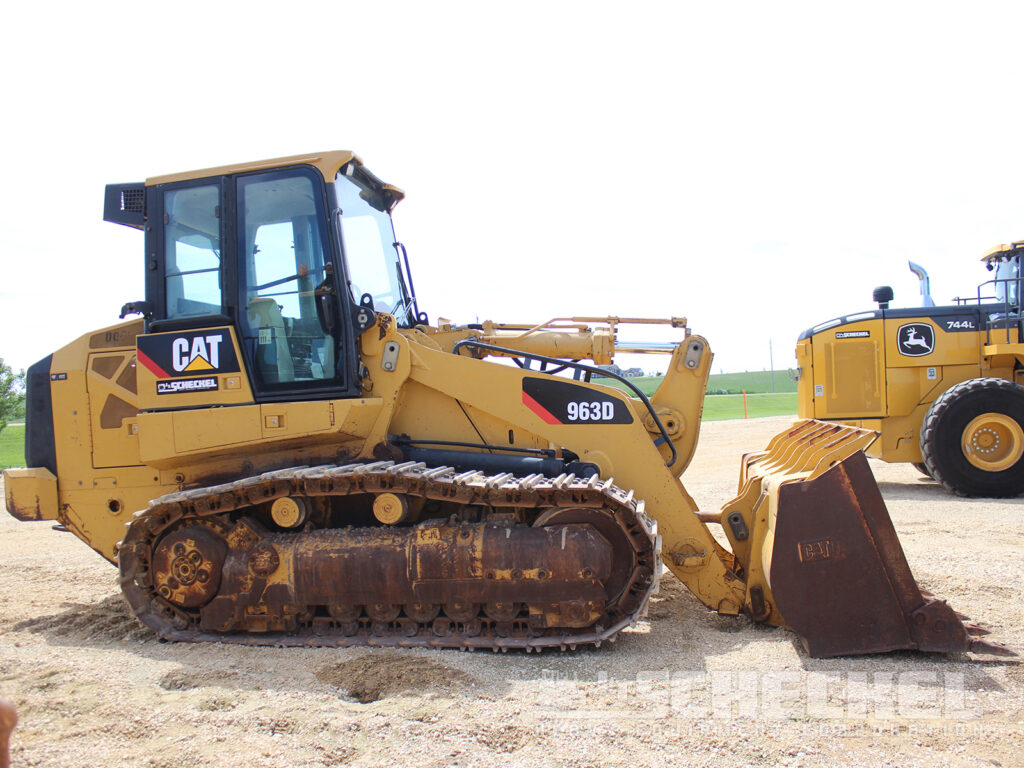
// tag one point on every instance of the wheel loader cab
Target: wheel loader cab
(284, 257)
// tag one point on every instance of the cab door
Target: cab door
(189, 356)
(295, 336)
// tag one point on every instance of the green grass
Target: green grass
(12, 447)
(722, 407)
(754, 381)
(646, 384)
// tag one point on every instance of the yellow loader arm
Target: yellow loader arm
(811, 545)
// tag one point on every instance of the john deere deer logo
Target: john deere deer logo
(916, 339)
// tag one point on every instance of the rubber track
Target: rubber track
(412, 478)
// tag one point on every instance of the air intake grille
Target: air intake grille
(133, 200)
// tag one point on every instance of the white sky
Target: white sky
(758, 167)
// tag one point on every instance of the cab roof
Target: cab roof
(328, 163)
(1003, 252)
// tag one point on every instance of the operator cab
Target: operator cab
(1005, 261)
(1007, 320)
(295, 255)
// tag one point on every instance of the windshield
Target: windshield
(1008, 281)
(371, 255)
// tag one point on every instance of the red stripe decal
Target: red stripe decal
(159, 372)
(540, 410)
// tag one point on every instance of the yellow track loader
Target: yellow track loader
(283, 449)
(943, 385)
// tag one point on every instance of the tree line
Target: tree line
(12, 394)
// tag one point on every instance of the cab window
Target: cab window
(192, 264)
(282, 259)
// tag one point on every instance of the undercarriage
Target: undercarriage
(300, 557)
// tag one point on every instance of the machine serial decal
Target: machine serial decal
(187, 353)
(560, 402)
(852, 334)
(176, 386)
(916, 339)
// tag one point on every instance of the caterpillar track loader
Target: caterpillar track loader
(943, 385)
(283, 449)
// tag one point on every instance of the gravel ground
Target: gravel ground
(684, 687)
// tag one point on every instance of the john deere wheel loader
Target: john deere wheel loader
(284, 450)
(943, 385)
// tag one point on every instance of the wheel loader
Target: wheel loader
(943, 385)
(279, 447)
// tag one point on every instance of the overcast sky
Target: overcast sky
(758, 167)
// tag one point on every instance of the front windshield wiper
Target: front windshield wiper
(410, 302)
(404, 306)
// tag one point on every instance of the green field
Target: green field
(722, 407)
(725, 398)
(12, 447)
(755, 381)
(646, 384)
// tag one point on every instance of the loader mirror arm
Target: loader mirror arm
(587, 369)
(144, 308)
(325, 309)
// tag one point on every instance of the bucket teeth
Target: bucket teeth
(973, 629)
(991, 648)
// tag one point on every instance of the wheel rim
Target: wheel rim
(993, 442)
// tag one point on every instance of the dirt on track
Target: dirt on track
(683, 687)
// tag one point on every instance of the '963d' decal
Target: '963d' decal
(187, 361)
(559, 402)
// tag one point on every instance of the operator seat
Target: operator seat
(273, 357)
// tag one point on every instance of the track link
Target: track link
(196, 566)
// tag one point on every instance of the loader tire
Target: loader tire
(921, 467)
(972, 438)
